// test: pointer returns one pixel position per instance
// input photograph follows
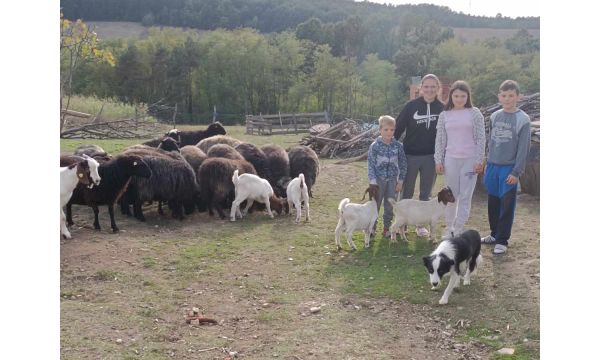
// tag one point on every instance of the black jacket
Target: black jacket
(419, 120)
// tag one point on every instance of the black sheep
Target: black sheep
(207, 143)
(173, 181)
(224, 151)
(278, 163)
(191, 137)
(254, 155)
(214, 180)
(304, 160)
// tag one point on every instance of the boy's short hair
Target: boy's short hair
(386, 120)
(510, 85)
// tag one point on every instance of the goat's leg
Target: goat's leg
(249, 203)
(367, 236)
(111, 213)
(393, 231)
(268, 205)
(298, 207)
(63, 225)
(235, 208)
(402, 228)
(454, 277)
(338, 232)
(349, 231)
(307, 210)
(290, 205)
(69, 214)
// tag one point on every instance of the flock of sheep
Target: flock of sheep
(202, 170)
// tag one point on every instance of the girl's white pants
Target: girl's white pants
(462, 179)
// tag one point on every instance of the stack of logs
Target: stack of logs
(343, 140)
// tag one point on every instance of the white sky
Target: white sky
(511, 8)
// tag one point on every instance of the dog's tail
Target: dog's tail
(342, 206)
(235, 177)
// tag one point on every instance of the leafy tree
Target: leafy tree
(78, 44)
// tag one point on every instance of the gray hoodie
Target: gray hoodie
(509, 140)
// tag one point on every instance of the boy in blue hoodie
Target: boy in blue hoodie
(386, 169)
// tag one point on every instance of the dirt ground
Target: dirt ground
(126, 295)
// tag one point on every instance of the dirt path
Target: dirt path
(259, 278)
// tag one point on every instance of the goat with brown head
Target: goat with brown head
(446, 196)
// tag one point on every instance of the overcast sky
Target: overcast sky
(512, 8)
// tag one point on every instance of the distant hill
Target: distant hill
(275, 15)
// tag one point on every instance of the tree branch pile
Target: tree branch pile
(118, 129)
(345, 139)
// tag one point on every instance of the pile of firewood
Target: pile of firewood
(345, 139)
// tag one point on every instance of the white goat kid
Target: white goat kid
(85, 172)
(297, 192)
(251, 188)
(420, 213)
(357, 217)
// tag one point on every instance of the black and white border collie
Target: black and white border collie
(452, 256)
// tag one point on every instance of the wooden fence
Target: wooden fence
(283, 123)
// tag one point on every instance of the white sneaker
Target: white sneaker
(488, 240)
(422, 232)
(500, 249)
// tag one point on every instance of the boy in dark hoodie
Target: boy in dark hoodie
(386, 169)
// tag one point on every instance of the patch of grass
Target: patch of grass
(149, 262)
(106, 275)
(111, 146)
(274, 316)
(385, 269)
(112, 110)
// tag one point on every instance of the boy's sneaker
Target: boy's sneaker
(500, 249)
(386, 233)
(488, 240)
(422, 232)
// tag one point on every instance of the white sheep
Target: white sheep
(357, 217)
(421, 213)
(297, 192)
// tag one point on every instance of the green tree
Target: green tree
(78, 44)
